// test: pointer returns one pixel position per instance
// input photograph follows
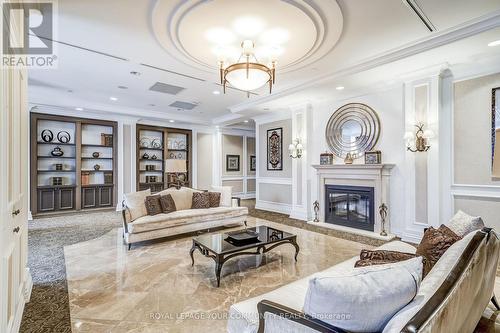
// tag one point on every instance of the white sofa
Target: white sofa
(184, 219)
(451, 298)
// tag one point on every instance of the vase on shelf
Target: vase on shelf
(57, 152)
(97, 167)
(95, 154)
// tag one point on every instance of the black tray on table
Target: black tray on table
(242, 237)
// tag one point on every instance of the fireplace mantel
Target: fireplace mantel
(369, 175)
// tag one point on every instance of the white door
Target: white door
(14, 278)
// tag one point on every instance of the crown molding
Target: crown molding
(434, 40)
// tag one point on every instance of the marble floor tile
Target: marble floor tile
(153, 288)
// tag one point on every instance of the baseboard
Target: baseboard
(299, 215)
(411, 237)
(277, 207)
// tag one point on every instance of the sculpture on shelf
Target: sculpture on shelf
(63, 137)
(316, 210)
(47, 135)
(154, 157)
(349, 158)
(97, 167)
(95, 154)
(383, 214)
(145, 156)
(57, 152)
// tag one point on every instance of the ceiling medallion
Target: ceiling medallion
(247, 73)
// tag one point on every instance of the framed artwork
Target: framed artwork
(373, 157)
(275, 149)
(253, 163)
(232, 162)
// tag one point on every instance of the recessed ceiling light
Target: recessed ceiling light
(152, 104)
(79, 109)
(265, 109)
(135, 73)
(70, 91)
(340, 88)
(122, 87)
(171, 121)
(216, 92)
(246, 121)
(494, 43)
(113, 98)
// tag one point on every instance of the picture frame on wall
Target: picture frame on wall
(275, 149)
(253, 163)
(232, 162)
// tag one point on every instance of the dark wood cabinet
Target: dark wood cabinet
(155, 146)
(77, 172)
(97, 196)
(52, 198)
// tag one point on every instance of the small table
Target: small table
(216, 246)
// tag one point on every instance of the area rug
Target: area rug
(48, 309)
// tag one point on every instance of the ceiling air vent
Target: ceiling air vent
(417, 10)
(166, 88)
(183, 105)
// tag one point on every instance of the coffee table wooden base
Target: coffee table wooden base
(220, 259)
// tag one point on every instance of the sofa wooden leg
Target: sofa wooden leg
(495, 302)
(245, 224)
(129, 246)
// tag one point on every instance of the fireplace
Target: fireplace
(350, 206)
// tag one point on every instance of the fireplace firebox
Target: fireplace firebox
(350, 206)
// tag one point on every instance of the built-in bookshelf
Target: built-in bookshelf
(73, 164)
(156, 145)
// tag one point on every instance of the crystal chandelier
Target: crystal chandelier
(247, 73)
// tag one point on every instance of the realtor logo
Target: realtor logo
(28, 34)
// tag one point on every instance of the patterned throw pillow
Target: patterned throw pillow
(462, 223)
(153, 205)
(434, 244)
(200, 200)
(380, 257)
(167, 204)
(214, 199)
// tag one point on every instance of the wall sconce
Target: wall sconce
(421, 138)
(295, 149)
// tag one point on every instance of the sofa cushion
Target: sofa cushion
(462, 223)
(214, 199)
(434, 244)
(184, 217)
(167, 204)
(243, 316)
(364, 299)
(182, 197)
(153, 205)
(135, 204)
(226, 195)
(200, 200)
(429, 285)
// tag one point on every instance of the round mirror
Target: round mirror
(353, 128)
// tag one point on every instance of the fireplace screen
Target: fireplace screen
(350, 206)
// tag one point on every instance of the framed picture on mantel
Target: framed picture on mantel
(275, 149)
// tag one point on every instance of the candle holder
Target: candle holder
(382, 210)
(316, 210)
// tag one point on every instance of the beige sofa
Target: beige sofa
(451, 298)
(184, 220)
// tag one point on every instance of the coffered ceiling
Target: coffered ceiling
(176, 45)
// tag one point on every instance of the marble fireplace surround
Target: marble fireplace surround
(368, 175)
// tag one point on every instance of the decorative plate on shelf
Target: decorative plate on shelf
(156, 143)
(145, 142)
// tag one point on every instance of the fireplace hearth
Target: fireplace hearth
(350, 206)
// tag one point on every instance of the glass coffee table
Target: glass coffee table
(221, 248)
